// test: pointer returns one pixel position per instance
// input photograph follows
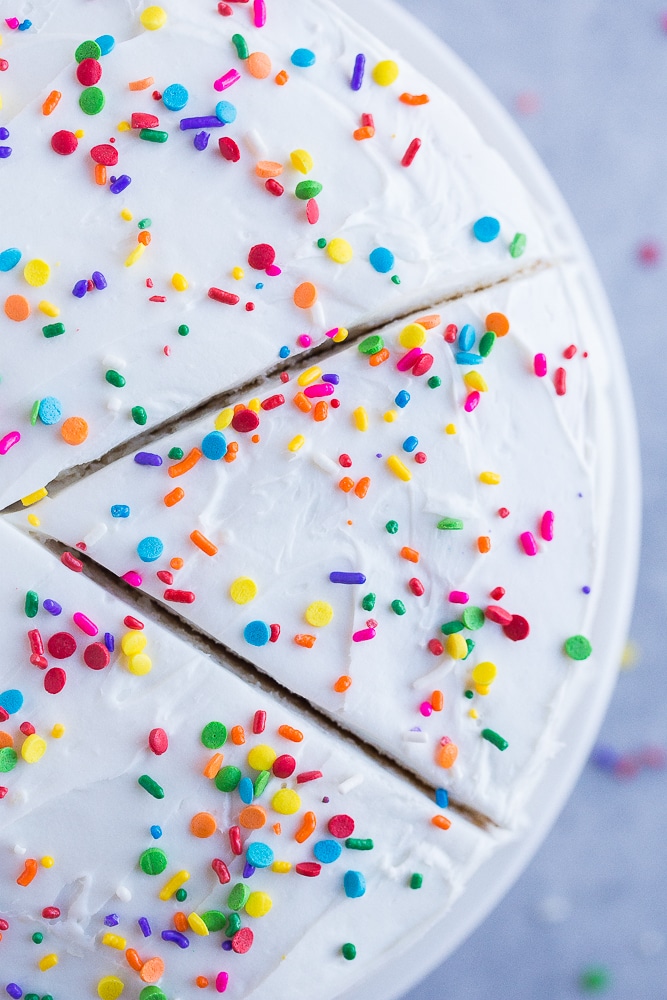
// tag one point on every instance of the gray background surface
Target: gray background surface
(587, 82)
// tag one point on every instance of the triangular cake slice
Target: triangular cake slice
(163, 820)
(409, 533)
(185, 270)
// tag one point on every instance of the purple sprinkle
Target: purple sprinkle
(147, 458)
(605, 757)
(99, 280)
(5, 151)
(248, 870)
(347, 577)
(14, 990)
(326, 799)
(585, 590)
(378, 455)
(334, 379)
(52, 607)
(358, 74)
(118, 184)
(4, 133)
(80, 288)
(145, 926)
(204, 121)
(201, 140)
(109, 641)
(177, 938)
(112, 920)
(226, 945)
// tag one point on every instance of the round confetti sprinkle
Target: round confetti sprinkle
(175, 97)
(257, 633)
(382, 259)
(17, 308)
(64, 142)
(74, 431)
(486, 229)
(91, 101)
(261, 757)
(284, 766)
(214, 446)
(303, 57)
(36, 272)
(243, 590)
(9, 259)
(11, 700)
(341, 826)
(340, 251)
(286, 802)
(153, 861)
(150, 549)
(50, 410)
(153, 18)
(259, 855)
(96, 656)
(87, 50)
(61, 645)
(318, 614)
(327, 851)
(261, 256)
(578, 647)
(214, 735)
(227, 779)
(385, 72)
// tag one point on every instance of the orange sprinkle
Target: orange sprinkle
(74, 430)
(288, 733)
(17, 308)
(201, 982)
(437, 701)
(366, 132)
(305, 295)
(497, 323)
(361, 489)
(378, 359)
(282, 78)
(144, 237)
(346, 484)
(410, 554)
(268, 168)
(144, 84)
(29, 871)
(344, 683)
(185, 464)
(232, 452)
(441, 822)
(174, 497)
(430, 321)
(258, 65)
(321, 410)
(446, 755)
(203, 825)
(414, 99)
(100, 174)
(277, 829)
(203, 543)
(6, 740)
(252, 817)
(240, 407)
(133, 959)
(307, 828)
(213, 766)
(181, 922)
(176, 562)
(302, 402)
(255, 439)
(484, 543)
(238, 736)
(303, 639)
(51, 102)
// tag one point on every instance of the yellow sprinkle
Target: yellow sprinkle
(390, 416)
(258, 904)
(296, 443)
(179, 281)
(140, 664)
(243, 590)
(631, 654)
(237, 273)
(110, 988)
(474, 380)
(456, 646)
(412, 335)
(126, 214)
(490, 478)
(301, 160)
(133, 642)
(342, 335)
(48, 308)
(473, 713)
(79, 133)
(34, 497)
(58, 731)
(47, 861)
(0, 102)
(114, 941)
(482, 689)
(340, 251)
(135, 255)
(34, 520)
(398, 468)
(197, 925)
(385, 73)
(261, 757)
(282, 867)
(450, 429)
(224, 418)
(319, 613)
(173, 885)
(309, 376)
(33, 749)
(255, 405)
(484, 675)
(153, 18)
(286, 802)
(36, 272)
(49, 961)
(123, 127)
(360, 418)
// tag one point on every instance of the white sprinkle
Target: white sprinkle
(19, 850)
(412, 737)
(325, 463)
(113, 404)
(96, 532)
(254, 143)
(554, 909)
(350, 783)
(123, 893)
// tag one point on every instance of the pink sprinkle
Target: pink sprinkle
(304, 340)
(8, 441)
(527, 102)
(166, 350)
(222, 978)
(259, 13)
(333, 332)
(540, 365)
(528, 542)
(12, 22)
(313, 211)
(472, 401)
(158, 741)
(321, 389)
(408, 360)
(84, 623)
(224, 9)
(547, 526)
(570, 351)
(498, 615)
(363, 635)
(560, 381)
(426, 709)
(133, 578)
(411, 152)
(649, 253)
(273, 271)
(227, 80)
(459, 597)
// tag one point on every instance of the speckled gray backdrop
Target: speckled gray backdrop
(587, 82)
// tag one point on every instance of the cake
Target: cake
(306, 489)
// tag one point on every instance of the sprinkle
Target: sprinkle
(151, 786)
(303, 58)
(578, 647)
(385, 72)
(411, 152)
(348, 951)
(398, 468)
(528, 543)
(172, 886)
(560, 381)
(354, 884)
(540, 365)
(340, 577)
(441, 822)
(486, 229)
(495, 739)
(547, 526)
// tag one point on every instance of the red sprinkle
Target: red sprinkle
(517, 629)
(67, 559)
(560, 381)
(503, 512)
(229, 149)
(221, 870)
(313, 212)
(259, 722)
(273, 401)
(308, 776)
(284, 766)
(50, 912)
(158, 741)
(4, 924)
(345, 460)
(274, 187)
(88, 72)
(38, 661)
(275, 633)
(235, 840)
(424, 364)
(27, 728)
(61, 645)
(4, 714)
(139, 120)
(224, 9)
(105, 154)
(497, 614)
(129, 621)
(570, 352)
(497, 593)
(416, 586)
(341, 825)
(219, 295)
(261, 256)
(3, 792)
(96, 656)
(165, 576)
(308, 868)
(451, 333)
(411, 152)
(245, 421)
(242, 940)
(179, 596)
(36, 642)
(435, 647)
(64, 142)
(54, 680)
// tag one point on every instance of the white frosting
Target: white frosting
(81, 805)
(207, 213)
(278, 517)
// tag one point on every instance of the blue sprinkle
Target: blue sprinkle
(410, 443)
(24, 25)
(382, 259)
(257, 633)
(145, 926)
(50, 410)
(5, 151)
(246, 790)
(80, 288)
(156, 832)
(120, 510)
(402, 398)
(175, 97)
(467, 337)
(9, 258)
(109, 641)
(259, 286)
(106, 43)
(333, 379)
(99, 280)
(200, 141)
(177, 938)
(336, 577)
(119, 184)
(52, 607)
(112, 920)
(354, 884)
(327, 851)
(226, 112)
(214, 445)
(303, 57)
(486, 229)
(259, 855)
(441, 798)
(468, 358)
(358, 72)
(11, 700)
(4, 133)
(147, 458)
(150, 548)
(284, 352)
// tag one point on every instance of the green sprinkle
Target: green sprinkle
(471, 645)
(434, 382)
(578, 647)
(214, 920)
(368, 602)
(305, 190)
(47, 996)
(139, 415)
(145, 223)
(359, 844)
(450, 524)
(395, 278)
(261, 781)
(31, 996)
(595, 979)
(518, 245)
(241, 46)
(181, 894)
(493, 737)
(416, 881)
(8, 759)
(53, 330)
(473, 618)
(321, 243)
(153, 861)
(392, 527)
(233, 925)
(38, 937)
(227, 779)
(214, 734)
(398, 607)
(176, 454)
(115, 378)
(87, 50)
(34, 413)
(91, 101)
(238, 896)
(183, 330)
(31, 604)
(486, 343)
(449, 628)
(151, 786)
(371, 345)
(349, 951)
(152, 993)
(153, 135)
(468, 694)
